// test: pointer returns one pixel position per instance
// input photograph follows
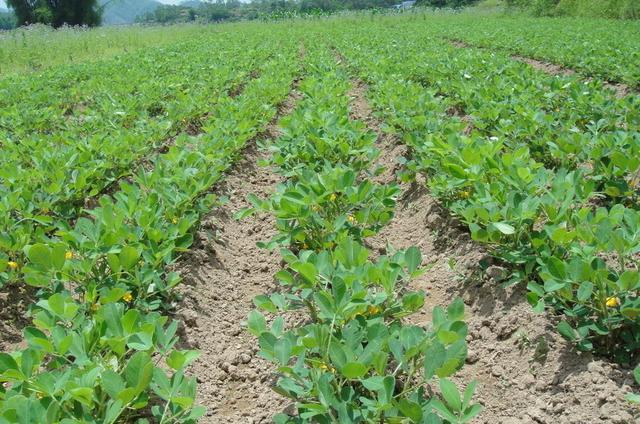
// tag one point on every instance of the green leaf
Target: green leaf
(256, 323)
(413, 258)
(631, 313)
(7, 362)
(282, 351)
(585, 290)
(307, 270)
(455, 311)
(40, 254)
(504, 228)
(129, 256)
(180, 359)
(468, 394)
(354, 370)
(410, 409)
(434, 357)
(450, 394)
(139, 371)
(567, 331)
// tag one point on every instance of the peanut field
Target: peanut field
(370, 218)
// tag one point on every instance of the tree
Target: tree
(57, 12)
(7, 20)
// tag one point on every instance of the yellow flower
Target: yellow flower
(12, 265)
(326, 367)
(68, 255)
(351, 219)
(95, 307)
(127, 297)
(174, 220)
(332, 197)
(465, 194)
(613, 301)
(372, 310)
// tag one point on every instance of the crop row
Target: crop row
(49, 170)
(595, 47)
(100, 350)
(349, 357)
(543, 169)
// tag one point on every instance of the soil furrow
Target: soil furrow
(222, 274)
(621, 90)
(526, 372)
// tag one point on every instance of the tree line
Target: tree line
(57, 12)
(273, 9)
(89, 12)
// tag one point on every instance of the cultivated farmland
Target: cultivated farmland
(413, 218)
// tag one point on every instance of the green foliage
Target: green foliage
(7, 20)
(598, 48)
(525, 181)
(446, 3)
(354, 360)
(100, 348)
(56, 13)
(39, 47)
(619, 9)
(260, 9)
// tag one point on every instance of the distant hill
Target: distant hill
(120, 12)
(191, 3)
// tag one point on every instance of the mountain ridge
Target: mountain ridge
(122, 12)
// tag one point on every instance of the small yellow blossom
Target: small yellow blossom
(332, 197)
(12, 265)
(613, 301)
(465, 194)
(326, 367)
(372, 310)
(174, 220)
(95, 307)
(351, 219)
(68, 255)
(127, 297)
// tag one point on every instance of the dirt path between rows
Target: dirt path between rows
(222, 274)
(621, 90)
(526, 372)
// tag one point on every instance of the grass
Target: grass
(39, 47)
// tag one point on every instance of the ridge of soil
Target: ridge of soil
(15, 300)
(527, 373)
(621, 90)
(222, 274)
